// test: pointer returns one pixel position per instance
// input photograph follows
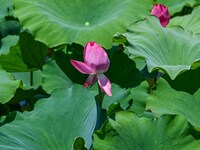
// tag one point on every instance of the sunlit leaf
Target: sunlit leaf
(173, 50)
(189, 22)
(67, 21)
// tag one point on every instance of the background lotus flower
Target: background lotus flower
(162, 13)
(96, 62)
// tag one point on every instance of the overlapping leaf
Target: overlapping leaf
(7, 43)
(33, 52)
(25, 55)
(119, 94)
(123, 73)
(176, 6)
(129, 132)
(165, 100)
(188, 81)
(67, 21)
(189, 22)
(30, 79)
(8, 86)
(172, 50)
(13, 61)
(56, 121)
(54, 78)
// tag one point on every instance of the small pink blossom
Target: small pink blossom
(96, 62)
(162, 13)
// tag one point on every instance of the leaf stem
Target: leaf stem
(101, 113)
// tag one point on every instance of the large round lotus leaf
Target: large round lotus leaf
(172, 50)
(65, 21)
(176, 6)
(129, 132)
(189, 22)
(55, 122)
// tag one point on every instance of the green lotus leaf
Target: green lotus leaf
(188, 22)
(54, 78)
(31, 80)
(127, 67)
(4, 6)
(172, 50)
(139, 96)
(55, 122)
(13, 61)
(165, 100)
(33, 52)
(67, 21)
(119, 94)
(7, 42)
(188, 81)
(63, 61)
(177, 5)
(8, 86)
(128, 132)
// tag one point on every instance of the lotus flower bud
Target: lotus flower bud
(162, 13)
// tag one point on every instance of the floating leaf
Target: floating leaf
(67, 21)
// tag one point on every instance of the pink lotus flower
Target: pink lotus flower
(96, 62)
(162, 13)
